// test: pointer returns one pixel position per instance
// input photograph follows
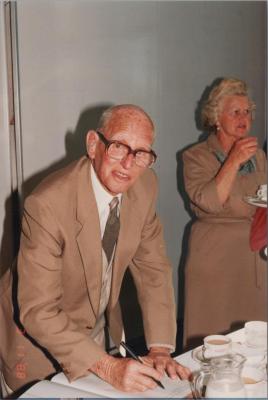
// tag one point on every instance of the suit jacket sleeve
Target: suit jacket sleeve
(152, 274)
(200, 168)
(40, 292)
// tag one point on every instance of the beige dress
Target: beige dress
(225, 282)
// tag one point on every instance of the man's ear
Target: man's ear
(91, 142)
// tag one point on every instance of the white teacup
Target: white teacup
(256, 334)
(216, 345)
(258, 359)
(254, 381)
(262, 192)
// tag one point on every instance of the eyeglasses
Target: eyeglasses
(237, 113)
(118, 151)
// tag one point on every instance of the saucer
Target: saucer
(254, 356)
(197, 355)
(256, 201)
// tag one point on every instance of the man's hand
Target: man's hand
(159, 358)
(126, 374)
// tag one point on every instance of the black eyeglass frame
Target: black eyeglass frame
(108, 143)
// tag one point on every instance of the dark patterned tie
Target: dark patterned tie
(111, 230)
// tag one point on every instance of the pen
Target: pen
(139, 359)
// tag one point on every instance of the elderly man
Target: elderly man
(82, 227)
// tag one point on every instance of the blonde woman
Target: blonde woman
(224, 280)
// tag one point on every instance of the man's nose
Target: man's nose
(128, 161)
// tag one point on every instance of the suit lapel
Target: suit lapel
(89, 236)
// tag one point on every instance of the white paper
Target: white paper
(49, 389)
(95, 385)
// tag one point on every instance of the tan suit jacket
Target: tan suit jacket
(59, 275)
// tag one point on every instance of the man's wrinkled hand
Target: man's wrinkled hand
(159, 358)
(126, 374)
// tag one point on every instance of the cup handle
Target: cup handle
(203, 351)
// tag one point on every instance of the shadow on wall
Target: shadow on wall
(75, 147)
(11, 232)
(186, 235)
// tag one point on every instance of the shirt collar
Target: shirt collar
(103, 198)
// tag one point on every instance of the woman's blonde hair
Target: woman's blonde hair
(226, 87)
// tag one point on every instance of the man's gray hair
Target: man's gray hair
(108, 114)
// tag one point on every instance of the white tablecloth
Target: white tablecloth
(82, 387)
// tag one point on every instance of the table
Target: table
(92, 387)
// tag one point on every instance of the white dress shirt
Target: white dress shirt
(103, 198)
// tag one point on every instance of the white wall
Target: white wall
(77, 57)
